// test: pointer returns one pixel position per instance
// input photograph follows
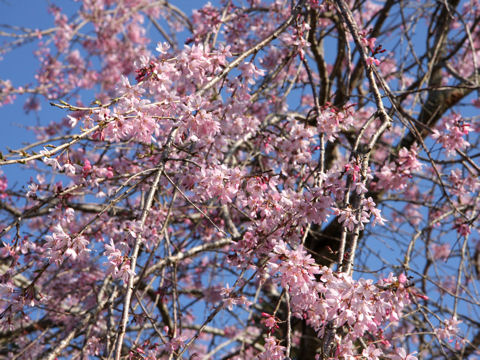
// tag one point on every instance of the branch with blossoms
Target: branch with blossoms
(335, 191)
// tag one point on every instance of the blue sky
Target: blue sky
(19, 66)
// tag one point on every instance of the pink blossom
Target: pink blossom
(273, 351)
(450, 329)
(402, 355)
(441, 252)
(370, 43)
(176, 343)
(371, 60)
(451, 134)
(372, 352)
(270, 321)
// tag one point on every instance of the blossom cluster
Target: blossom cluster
(245, 155)
(349, 307)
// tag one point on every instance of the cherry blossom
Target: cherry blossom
(218, 183)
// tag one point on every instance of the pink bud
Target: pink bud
(87, 167)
